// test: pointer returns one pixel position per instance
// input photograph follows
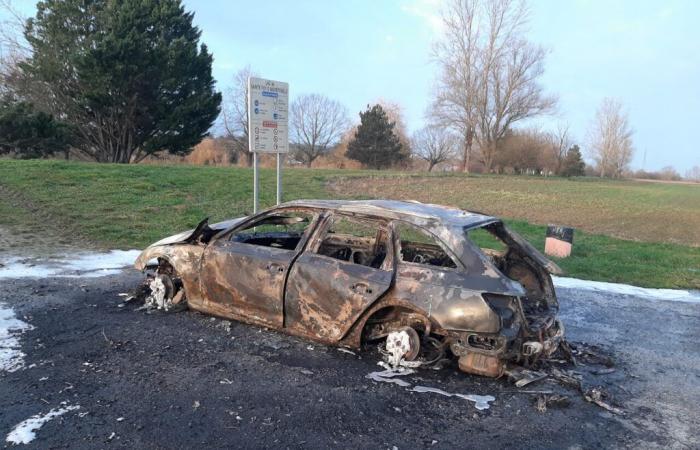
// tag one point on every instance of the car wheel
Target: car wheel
(403, 343)
(166, 294)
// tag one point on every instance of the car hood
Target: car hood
(185, 236)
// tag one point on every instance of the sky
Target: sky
(644, 53)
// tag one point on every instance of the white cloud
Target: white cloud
(427, 10)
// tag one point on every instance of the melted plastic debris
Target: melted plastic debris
(11, 357)
(345, 350)
(544, 401)
(398, 344)
(597, 395)
(74, 265)
(25, 432)
(676, 295)
(388, 375)
(481, 402)
(156, 299)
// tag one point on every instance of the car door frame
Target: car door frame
(241, 311)
(324, 330)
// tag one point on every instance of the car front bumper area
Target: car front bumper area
(524, 351)
(547, 343)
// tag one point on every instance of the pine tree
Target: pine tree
(128, 75)
(375, 144)
(573, 165)
(27, 133)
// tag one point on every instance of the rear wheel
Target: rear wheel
(403, 343)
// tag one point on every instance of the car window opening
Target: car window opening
(354, 241)
(419, 247)
(277, 231)
(506, 255)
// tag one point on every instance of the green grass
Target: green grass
(652, 212)
(119, 206)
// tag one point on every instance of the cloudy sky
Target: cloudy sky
(645, 53)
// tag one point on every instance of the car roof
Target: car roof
(410, 211)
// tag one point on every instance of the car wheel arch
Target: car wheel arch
(185, 260)
(401, 308)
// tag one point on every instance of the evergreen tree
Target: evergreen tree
(26, 133)
(375, 143)
(573, 165)
(129, 76)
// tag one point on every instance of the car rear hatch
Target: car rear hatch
(519, 261)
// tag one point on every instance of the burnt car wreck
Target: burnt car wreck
(419, 276)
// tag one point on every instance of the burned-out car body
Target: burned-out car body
(349, 272)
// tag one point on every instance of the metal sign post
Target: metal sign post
(268, 124)
(279, 178)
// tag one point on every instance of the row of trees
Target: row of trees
(527, 151)
(119, 81)
(488, 82)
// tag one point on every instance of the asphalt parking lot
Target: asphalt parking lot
(187, 380)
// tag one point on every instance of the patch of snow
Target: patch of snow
(25, 432)
(73, 265)
(675, 295)
(11, 357)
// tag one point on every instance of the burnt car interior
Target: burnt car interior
(278, 231)
(420, 248)
(496, 244)
(359, 242)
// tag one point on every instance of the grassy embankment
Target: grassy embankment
(132, 206)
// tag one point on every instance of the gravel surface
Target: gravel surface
(187, 380)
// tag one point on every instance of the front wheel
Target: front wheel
(166, 290)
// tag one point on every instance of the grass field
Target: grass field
(132, 206)
(650, 212)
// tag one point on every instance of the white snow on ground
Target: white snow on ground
(25, 432)
(676, 295)
(11, 357)
(75, 265)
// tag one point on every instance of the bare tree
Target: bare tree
(559, 142)
(14, 48)
(316, 124)
(434, 144)
(693, 174)
(489, 73)
(669, 173)
(610, 139)
(458, 55)
(395, 112)
(525, 151)
(234, 113)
